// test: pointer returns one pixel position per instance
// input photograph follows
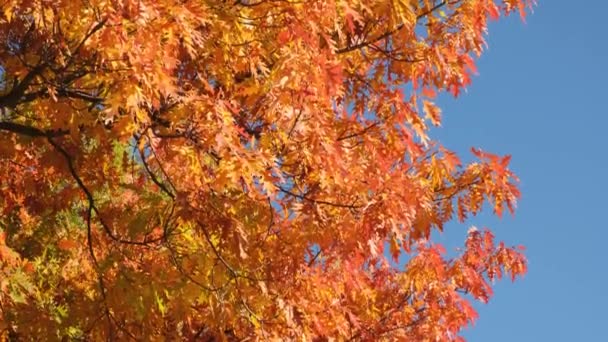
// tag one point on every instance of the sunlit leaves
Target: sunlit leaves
(189, 170)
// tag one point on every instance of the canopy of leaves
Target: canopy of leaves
(250, 169)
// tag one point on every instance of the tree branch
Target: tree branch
(390, 32)
(91, 200)
(13, 97)
(31, 131)
(317, 201)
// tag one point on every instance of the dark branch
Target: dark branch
(31, 131)
(12, 98)
(317, 201)
(153, 177)
(390, 32)
(91, 200)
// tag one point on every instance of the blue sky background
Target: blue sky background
(541, 96)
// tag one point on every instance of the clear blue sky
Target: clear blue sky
(541, 96)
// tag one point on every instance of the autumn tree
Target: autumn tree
(252, 169)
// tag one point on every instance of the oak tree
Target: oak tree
(247, 169)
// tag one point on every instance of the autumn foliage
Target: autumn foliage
(253, 169)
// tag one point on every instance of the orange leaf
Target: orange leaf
(66, 245)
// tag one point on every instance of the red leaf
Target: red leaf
(66, 245)
(429, 92)
(493, 11)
